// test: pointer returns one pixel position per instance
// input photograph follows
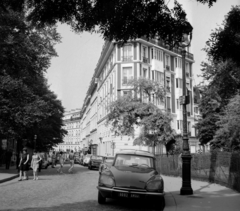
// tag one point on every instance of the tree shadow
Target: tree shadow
(92, 205)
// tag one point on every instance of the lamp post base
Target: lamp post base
(186, 174)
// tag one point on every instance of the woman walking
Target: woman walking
(23, 165)
(35, 164)
(61, 162)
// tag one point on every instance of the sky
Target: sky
(70, 73)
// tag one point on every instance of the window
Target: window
(157, 54)
(160, 77)
(176, 82)
(127, 75)
(167, 61)
(179, 62)
(145, 73)
(127, 93)
(127, 53)
(144, 52)
(153, 75)
(177, 104)
(168, 104)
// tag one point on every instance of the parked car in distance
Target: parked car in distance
(94, 162)
(132, 175)
(106, 162)
(86, 159)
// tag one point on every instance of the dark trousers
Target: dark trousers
(40, 166)
(8, 162)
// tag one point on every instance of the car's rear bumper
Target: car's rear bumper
(115, 193)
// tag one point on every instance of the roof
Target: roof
(135, 152)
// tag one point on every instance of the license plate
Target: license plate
(125, 195)
(134, 196)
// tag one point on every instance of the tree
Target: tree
(130, 112)
(228, 133)
(210, 109)
(224, 42)
(222, 72)
(149, 18)
(27, 106)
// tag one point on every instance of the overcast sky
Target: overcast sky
(70, 73)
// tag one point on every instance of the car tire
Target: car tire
(101, 199)
(161, 203)
(90, 167)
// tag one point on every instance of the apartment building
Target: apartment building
(118, 64)
(71, 141)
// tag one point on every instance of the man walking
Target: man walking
(71, 159)
(53, 159)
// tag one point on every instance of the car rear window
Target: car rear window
(96, 158)
(134, 160)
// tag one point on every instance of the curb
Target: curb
(8, 179)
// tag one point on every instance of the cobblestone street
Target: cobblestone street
(60, 192)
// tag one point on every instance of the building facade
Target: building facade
(117, 65)
(71, 141)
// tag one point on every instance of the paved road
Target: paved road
(61, 192)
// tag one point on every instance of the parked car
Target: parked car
(86, 159)
(94, 162)
(132, 175)
(106, 163)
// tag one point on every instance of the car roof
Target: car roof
(135, 152)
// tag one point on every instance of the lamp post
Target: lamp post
(35, 141)
(186, 188)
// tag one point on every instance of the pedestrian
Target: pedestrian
(61, 162)
(23, 165)
(8, 158)
(53, 159)
(35, 164)
(71, 159)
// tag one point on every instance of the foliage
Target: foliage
(27, 106)
(141, 17)
(222, 72)
(129, 112)
(147, 87)
(227, 136)
(224, 42)
(210, 108)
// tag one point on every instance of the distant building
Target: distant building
(71, 123)
(150, 59)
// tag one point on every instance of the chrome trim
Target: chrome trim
(129, 191)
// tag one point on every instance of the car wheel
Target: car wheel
(101, 199)
(90, 167)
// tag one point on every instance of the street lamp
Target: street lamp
(186, 188)
(35, 141)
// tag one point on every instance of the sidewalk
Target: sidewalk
(8, 174)
(206, 196)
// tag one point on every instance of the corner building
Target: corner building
(118, 64)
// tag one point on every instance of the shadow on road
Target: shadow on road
(92, 205)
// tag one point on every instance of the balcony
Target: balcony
(167, 68)
(145, 59)
(127, 58)
(168, 89)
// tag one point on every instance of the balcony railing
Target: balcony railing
(127, 58)
(145, 59)
(167, 68)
